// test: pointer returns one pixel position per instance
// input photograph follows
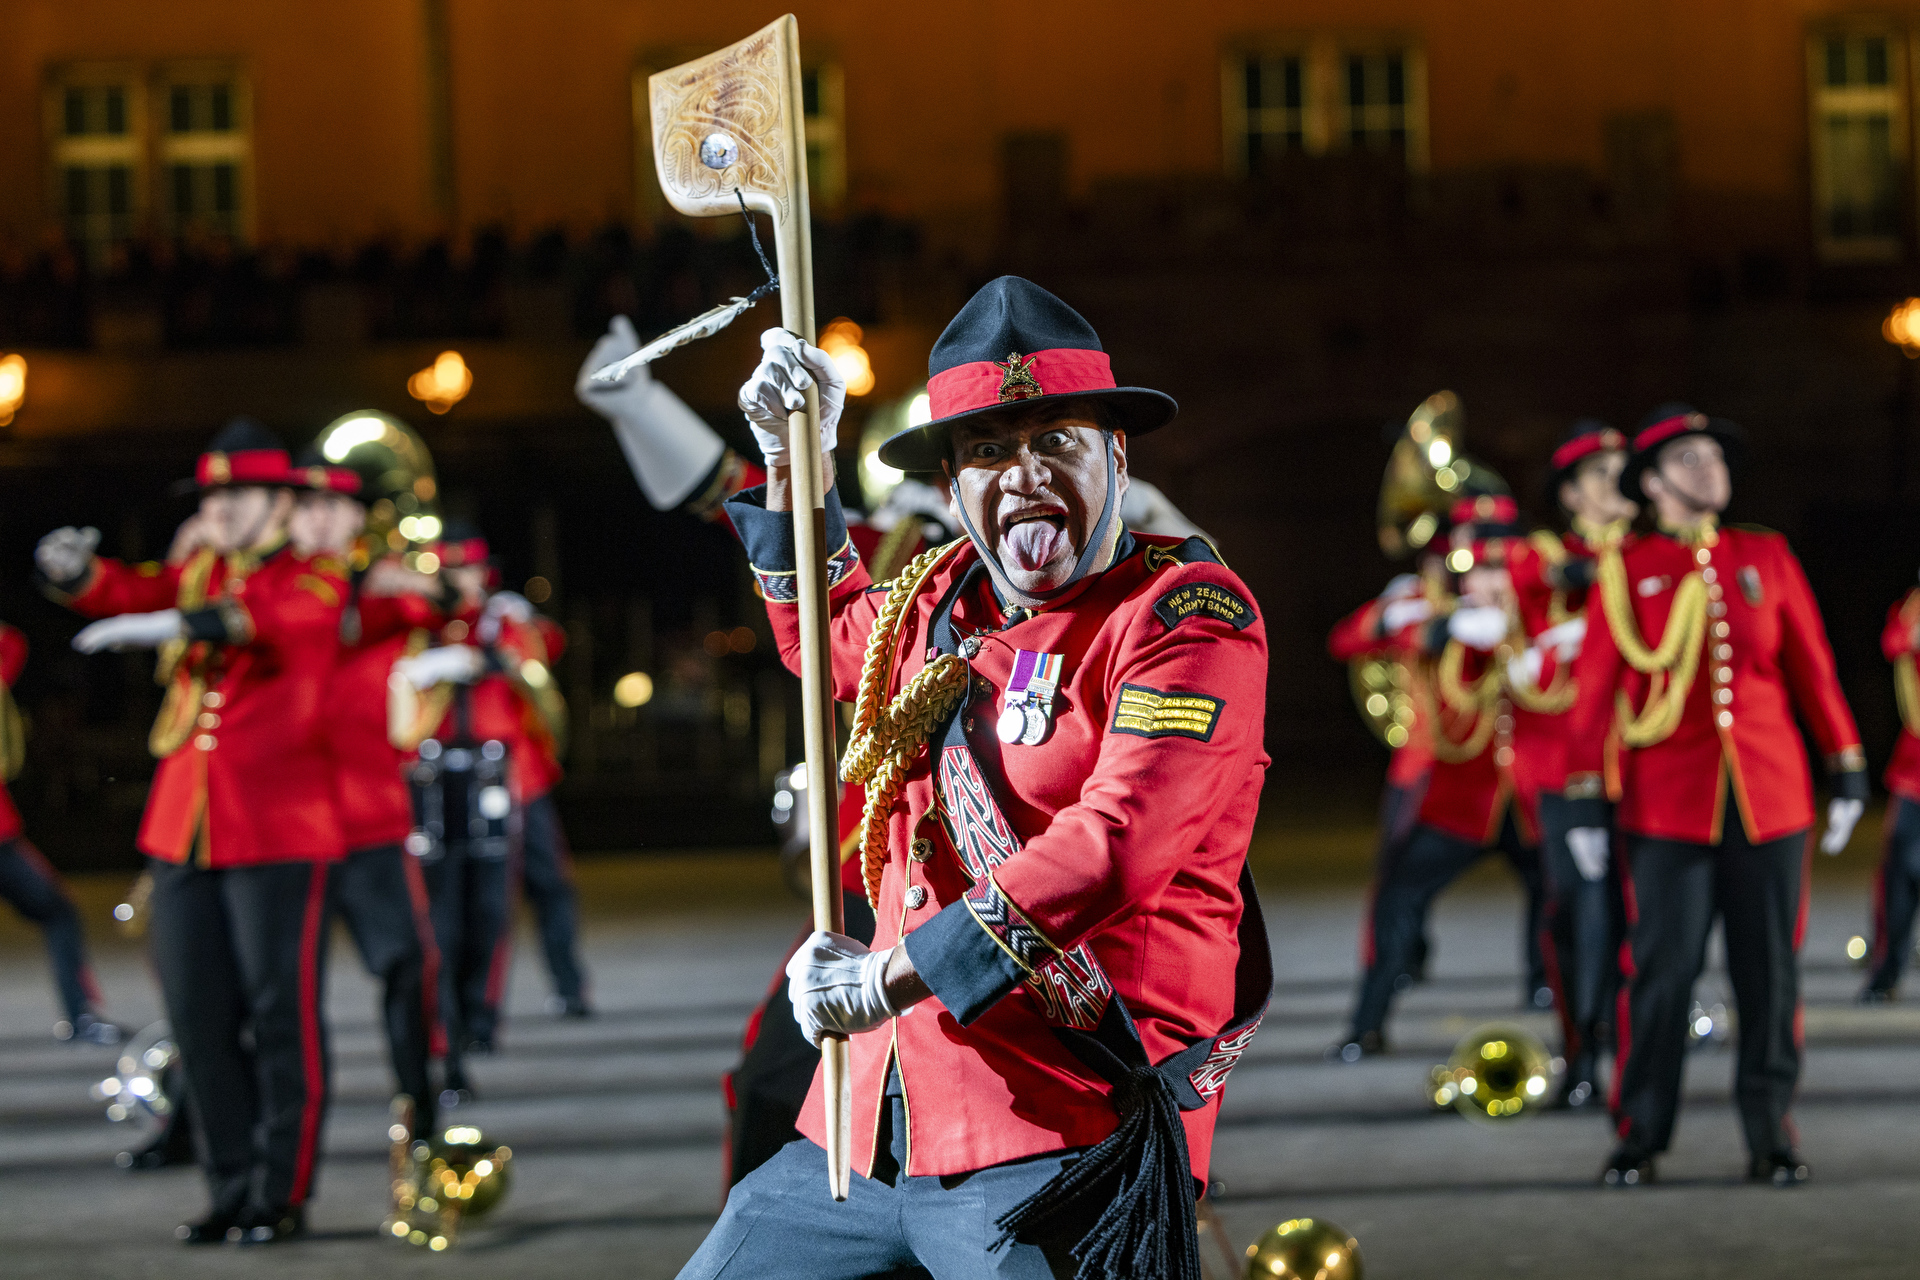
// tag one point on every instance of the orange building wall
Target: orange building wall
(543, 132)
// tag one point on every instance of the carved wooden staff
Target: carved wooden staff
(729, 126)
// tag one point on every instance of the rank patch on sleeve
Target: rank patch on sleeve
(1150, 713)
(1204, 600)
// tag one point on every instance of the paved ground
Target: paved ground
(616, 1122)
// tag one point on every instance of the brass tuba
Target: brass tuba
(396, 472)
(1497, 1072)
(439, 1185)
(1425, 472)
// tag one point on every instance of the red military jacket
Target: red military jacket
(370, 789)
(1765, 655)
(13, 660)
(1134, 834)
(244, 774)
(1544, 606)
(1358, 636)
(1903, 771)
(499, 709)
(1469, 798)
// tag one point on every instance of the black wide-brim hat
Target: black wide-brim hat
(1013, 347)
(1668, 423)
(242, 453)
(1583, 439)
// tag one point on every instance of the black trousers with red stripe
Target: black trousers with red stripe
(34, 888)
(241, 954)
(382, 896)
(1583, 923)
(1896, 894)
(1678, 889)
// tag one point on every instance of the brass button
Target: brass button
(1723, 696)
(208, 720)
(1722, 675)
(1503, 757)
(970, 648)
(1716, 610)
(1720, 630)
(1503, 724)
(1713, 592)
(916, 897)
(921, 850)
(1724, 719)
(1702, 556)
(1709, 574)
(204, 742)
(1723, 651)
(212, 698)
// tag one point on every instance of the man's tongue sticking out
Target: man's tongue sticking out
(1029, 544)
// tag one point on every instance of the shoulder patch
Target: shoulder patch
(1153, 713)
(1204, 600)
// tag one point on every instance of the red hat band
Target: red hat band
(1667, 428)
(464, 552)
(985, 383)
(1487, 508)
(244, 466)
(330, 479)
(1586, 446)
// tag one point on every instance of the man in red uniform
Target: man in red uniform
(29, 882)
(1091, 705)
(1377, 631)
(1583, 912)
(1482, 793)
(490, 705)
(1714, 638)
(240, 829)
(378, 889)
(1896, 893)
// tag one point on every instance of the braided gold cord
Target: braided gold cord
(885, 740)
(1554, 700)
(1906, 692)
(1482, 701)
(1672, 665)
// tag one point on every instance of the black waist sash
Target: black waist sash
(1141, 1174)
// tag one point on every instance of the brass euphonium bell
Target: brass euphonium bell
(1497, 1072)
(1425, 472)
(398, 483)
(439, 1185)
(1305, 1249)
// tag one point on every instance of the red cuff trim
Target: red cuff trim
(985, 383)
(1667, 428)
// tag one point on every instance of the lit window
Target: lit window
(204, 151)
(1312, 95)
(94, 118)
(1859, 136)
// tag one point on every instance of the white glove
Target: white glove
(1523, 670)
(64, 554)
(1403, 586)
(1565, 640)
(787, 368)
(669, 448)
(1590, 847)
(131, 631)
(448, 664)
(1480, 627)
(503, 605)
(1842, 815)
(837, 986)
(1144, 509)
(1400, 614)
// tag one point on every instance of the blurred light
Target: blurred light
(741, 640)
(462, 1135)
(1460, 561)
(140, 1087)
(920, 410)
(538, 590)
(877, 476)
(535, 673)
(1440, 452)
(1447, 478)
(13, 386)
(634, 689)
(717, 644)
(428, 563)
(1856, 948)
(1537, 1085)
(798, 778)
(782, 804)
(341, 440)
(1702, 1026)
(442, 384)
(420, 528)
(123, 912)
(1902, 327)
(841, 340)
(1377, 704)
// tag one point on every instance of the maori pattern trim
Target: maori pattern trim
(974, 823)
(782, 586)
(1210, 1077)
(995, 912)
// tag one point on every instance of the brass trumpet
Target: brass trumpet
(1305, 1249)
(1497, 1072)
(438, 1185)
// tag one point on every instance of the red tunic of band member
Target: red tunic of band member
(1133, 846)
(1897, 642)
(370, 788)
(244, 773)
(1359, 636)
(500, 710)
(1766, 655)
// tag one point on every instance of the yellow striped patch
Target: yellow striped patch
(1155, 713)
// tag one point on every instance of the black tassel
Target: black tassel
(1147, 1231)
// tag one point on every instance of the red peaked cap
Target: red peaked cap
(1014, 344)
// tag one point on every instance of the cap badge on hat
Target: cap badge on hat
(219, 470)
(1018, 382)
(317, 478)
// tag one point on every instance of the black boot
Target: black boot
(270, 1226)
(212, 1229)
(1782, 1169)
(1628, 1167)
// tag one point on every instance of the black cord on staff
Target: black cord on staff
(753, 234)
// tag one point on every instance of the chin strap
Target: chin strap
(1095, 557)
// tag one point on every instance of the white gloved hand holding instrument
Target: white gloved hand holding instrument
(65, 555)
(838, 986)
(1842, 816)
(1591, 847)
(777, 387)
(1480, 627)
(669, 448)
(131, 631)
(448, 664)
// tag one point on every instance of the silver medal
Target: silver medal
(1035, 729)
(1013, 724)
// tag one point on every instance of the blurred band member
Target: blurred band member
(1380, 630)
(240, 830)
(489, 690)
(378, 890)
(1482, 794)
(1583, 916)
(1714, 638)
(1897, 887)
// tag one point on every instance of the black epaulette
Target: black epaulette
(1195, 550)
